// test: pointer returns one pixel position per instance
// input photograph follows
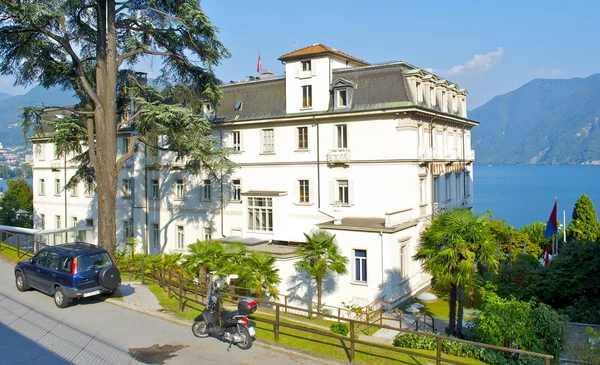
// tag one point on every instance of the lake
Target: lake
(525, 194)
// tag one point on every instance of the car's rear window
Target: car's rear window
(93, 262)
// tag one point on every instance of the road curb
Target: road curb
(258, 342)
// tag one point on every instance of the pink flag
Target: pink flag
(258, 65)
(546, 257)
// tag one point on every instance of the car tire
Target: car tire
(21, 282)
(60, 298)
(110, 277)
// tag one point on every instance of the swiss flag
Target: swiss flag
(258, 65)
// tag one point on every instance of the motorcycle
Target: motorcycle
(233, 327)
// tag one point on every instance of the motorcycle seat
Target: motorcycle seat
(225, 315)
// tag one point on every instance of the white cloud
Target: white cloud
(479, 62)
(545, 72)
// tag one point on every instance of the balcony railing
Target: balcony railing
(438, 153)
(425, 153)
(451, 154)
(338, 156)
(439, 208)
(395, 218)
(465, 202)
(470, 155)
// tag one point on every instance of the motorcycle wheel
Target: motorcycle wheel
(247, 340)
(199, 329)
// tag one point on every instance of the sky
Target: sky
(488, 47)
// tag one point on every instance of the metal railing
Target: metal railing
(338, 155)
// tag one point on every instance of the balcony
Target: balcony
(395, 218)
(465, 202)
(425, 153)
(439, 207)
(57, 165)
(338, 156)
(451, 154)
(470, 155)
(438, 153)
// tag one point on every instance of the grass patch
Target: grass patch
(440, 308)
(10, 253)
(303, 341)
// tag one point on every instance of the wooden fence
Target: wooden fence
(188, 291)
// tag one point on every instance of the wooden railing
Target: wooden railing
(188, 291)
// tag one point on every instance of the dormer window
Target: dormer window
(342, 98)
(238, 106)
(342, 94)
(306, 66)
(419, 93)
(207, 111)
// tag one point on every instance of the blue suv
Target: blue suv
(69, 271)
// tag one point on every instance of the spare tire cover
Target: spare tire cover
(110, 277)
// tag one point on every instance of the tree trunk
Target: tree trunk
(452, 314)
(319, 291)
(460, 296)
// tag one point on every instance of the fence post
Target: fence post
(276, 326)
(285, 302)
(381, 317)
(143, 270)
(180, 294)
(351, 341)
(168, 282)
(339, 315)
(438, 355)
(547, 361)
(18, 247)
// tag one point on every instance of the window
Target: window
(260, 214)
(236, 192)
(431, 96)
(155, 235)
(155, 191)
(89, 190)
(302, 138)
(423, 190)
(307, 96)
(236, 140)
(126, 188)
(74, 220)
(343, 192)
(206, 190)
(448, 188)
(42, 190)
(457, 187)
(180, 237)
(403, 261)
(360, 265)
(42, 221)
(268, 141)
(57, 188)
(57, 221)
(74, 190)
(125, 144)
(179, 191)
(207, 234)
(419, 93)
(238, 106)
(342, 98)
(89, 222)
(306, 66)
(303, 195)
(128, 224)
(342, 135)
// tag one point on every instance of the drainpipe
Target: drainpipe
(146, 235)
(382, 278)
(221, 183)
(431, 129)
(66, 219)
(315, 123)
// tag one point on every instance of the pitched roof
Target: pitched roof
(260, 99)
(319, 49)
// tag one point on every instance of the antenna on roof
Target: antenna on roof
(295, 45)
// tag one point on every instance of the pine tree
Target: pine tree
(584, 224)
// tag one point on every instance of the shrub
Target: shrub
(339, 328)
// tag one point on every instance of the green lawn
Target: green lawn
(10, 253)
(440, 308)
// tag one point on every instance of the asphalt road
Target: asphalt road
(34, 331)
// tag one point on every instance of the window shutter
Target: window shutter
(332, 195)
(313, 68)
(297, 69)
(351, 192)
(295, 188)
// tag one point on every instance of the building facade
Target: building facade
(366, 152)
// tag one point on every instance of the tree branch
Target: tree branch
(126, 55)
(127, 155)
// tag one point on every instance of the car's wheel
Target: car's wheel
(199, 329)
(60, 298)
(247, 340)
(110, 277)
(21, 282)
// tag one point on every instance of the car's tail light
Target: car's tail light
(243, 320)
(74, 266)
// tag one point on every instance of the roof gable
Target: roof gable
(340, 82)
(317, 50)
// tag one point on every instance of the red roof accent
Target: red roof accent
(319, 49)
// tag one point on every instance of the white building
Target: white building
(367, 152)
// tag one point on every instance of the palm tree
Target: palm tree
(319, 256)
(454, 249)
(259, 275)
(204, 257)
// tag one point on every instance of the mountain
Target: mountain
(10, 114)
(546, 121)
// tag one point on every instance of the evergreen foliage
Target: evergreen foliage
(584, 224)
(84, 46)
(456, 249)
(19, 196)
(319, 257)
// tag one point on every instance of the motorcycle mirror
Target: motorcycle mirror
(232, 277)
